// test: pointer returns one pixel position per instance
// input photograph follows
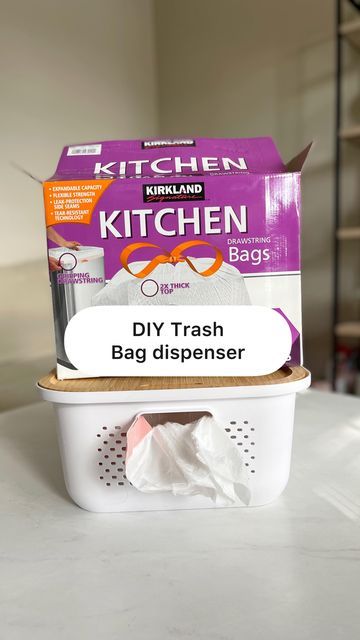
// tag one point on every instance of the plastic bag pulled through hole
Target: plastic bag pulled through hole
(195, 458)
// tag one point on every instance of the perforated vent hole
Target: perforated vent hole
(111, 454)
(240, 436)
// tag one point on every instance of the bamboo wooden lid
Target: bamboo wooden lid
(284, 375)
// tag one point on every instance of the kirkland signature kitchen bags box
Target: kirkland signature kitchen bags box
(174, 222)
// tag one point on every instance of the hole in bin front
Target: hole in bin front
(231, 427)
(183, 417)
(113, 450)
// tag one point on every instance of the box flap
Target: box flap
(297, 163)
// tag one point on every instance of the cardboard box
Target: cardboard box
(180, 221)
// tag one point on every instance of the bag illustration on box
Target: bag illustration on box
(174, 278)
(174, 222)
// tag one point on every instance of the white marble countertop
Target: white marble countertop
(288, 571)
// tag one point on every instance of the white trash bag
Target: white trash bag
(192, 459)
(175, 284)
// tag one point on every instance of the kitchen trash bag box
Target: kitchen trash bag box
(179, 222)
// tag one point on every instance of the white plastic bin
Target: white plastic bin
(95, 414)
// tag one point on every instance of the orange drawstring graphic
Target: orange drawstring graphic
(172, 257)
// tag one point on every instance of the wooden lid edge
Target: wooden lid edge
(86, 385)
